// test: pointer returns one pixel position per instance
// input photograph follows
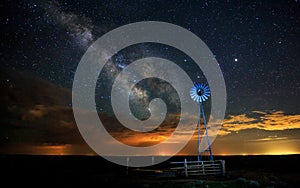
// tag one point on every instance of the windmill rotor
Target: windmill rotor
(200, 92)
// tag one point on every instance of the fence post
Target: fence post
(202, 167)
(223, 167)
(185, 168)
(127, 165)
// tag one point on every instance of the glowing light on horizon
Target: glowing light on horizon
(55, 149)
(258, 153)
(282, 152)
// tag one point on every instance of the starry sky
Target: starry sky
(256, 44)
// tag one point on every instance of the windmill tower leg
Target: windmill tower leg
(199, 126)
(206, 133)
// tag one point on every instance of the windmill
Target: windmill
(200, 93)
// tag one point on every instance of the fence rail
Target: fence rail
(200, 168)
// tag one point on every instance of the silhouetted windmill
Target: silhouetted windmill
(200, 93)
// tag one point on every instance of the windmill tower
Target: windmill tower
(200, 93)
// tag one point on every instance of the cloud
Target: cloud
(37, 112)
(161, 134)
(270, 138)
(271, 121)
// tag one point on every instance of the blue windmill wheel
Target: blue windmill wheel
(200, 92)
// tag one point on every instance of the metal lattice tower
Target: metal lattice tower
(200, 93)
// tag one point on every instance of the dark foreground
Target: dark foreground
(241, 171)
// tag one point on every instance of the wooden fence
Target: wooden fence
(199, 168)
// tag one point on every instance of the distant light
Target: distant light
(235, 59)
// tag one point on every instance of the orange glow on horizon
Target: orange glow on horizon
(272, 133)
(69, 149)
(283, 151)
(54, 149)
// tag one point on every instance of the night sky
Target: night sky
(256, 44)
